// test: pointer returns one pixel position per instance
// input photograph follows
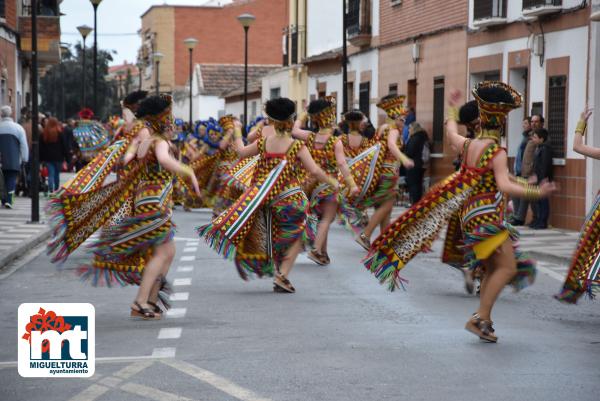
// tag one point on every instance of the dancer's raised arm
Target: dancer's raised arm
(455, 140)
(578, 143)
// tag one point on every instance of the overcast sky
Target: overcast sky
(118, 23)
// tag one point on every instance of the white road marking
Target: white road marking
(91, 393)
(216, 381)
(168, 352)
(190, 249)
(176, 313)
(151, 393)
(187, 258)
(186, 239)
(170, 333)
(182, 282)
(192, 243)
(185, 269)
(551, 273)
(132, 369)
(180, 296)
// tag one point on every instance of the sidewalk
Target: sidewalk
(17, 234)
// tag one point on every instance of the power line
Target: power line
(102, 34)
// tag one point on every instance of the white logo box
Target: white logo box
(79, 364)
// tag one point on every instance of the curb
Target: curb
(23, 248)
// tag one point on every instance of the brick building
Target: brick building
(422, 54)
(220, 40)
(542, 49)
(15, 48)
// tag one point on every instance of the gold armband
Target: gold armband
(521, 181)
(237, 133)
(403, 158)
(453, 114)
(580, 129)
(350, 183)
(331, 181)
(532, 191)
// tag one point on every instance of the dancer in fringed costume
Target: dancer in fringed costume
(327, 151)
(584, 272)
(227, 158)
(363, 155)
(136, 246)
(77, 209)
(90, 135)
(477, 192)
(386, 191)
(262, 230)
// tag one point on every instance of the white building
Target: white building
(540, 47)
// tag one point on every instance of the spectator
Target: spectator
(518, 165)
(70, 145)
(411, 117)
(13, 152)
(537, 122)
(542, 167)
(52, 151)
(414, 149)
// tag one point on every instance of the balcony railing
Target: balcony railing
(46, 8)
(485, 9)
(532, 4)
(358, 22)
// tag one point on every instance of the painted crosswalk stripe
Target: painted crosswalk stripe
(176, 313)
(180, 296)
(187, 258)
(167, 352)
(182, 281)
(185, 269)
(169, 333)
(190, 249)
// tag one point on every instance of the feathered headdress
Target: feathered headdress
(86, 113)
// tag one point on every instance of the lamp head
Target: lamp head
(190, 43)
(157, 57)
(95, 3)
(246, 20)
(84, 30)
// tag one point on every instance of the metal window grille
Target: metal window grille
(393, 89)
(438, 114)
(286, 44)
(364, 98)
(489, 9)
(350, 100)
(275, 93)
(353, 17)
(557, 99)
(538, 3)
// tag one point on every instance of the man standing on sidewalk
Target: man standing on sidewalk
(13, 152)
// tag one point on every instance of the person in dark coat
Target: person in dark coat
(53, 151)
(542, 168)
(417, 141)
(13, 152)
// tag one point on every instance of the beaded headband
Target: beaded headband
(493, 114)
(326, 117)
(394, 107)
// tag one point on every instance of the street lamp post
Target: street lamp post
(344, 59)
(190, 43)
(246, 20)
(95, 4)
(84, 30)
(35, 133)
(157, 57)
(64, 48)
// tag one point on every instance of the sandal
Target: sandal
(282, 284)
(326, 258)
(363, 241)
(481, 328)
(155, 308)
(143, 313)
(317, 257)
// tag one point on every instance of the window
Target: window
(364, 98)
(557, 98)
(285, 39)
(540, 3)
(395, 2)
(393, 89)
(253, 113)
(492, 76)
(294, 49)
(353, 17)
(438, 114)
(350, 98)
(2, 9)
(275, 93)
(489, 9)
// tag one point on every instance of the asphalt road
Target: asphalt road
(342, 336)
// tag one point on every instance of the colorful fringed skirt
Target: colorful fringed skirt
(584, 271)
(387, 185)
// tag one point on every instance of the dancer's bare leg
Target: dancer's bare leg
(290, 258)
(329, 210)
(168, 260)
(162, 254)
(501, 269)
(380, 215)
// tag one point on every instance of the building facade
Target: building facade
(541, 48)
(220, 42)
(15, 48)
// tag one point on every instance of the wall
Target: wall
(593, 132)
(276, 79)
(333, 82)
(235, 106)
(413, 17)
(365, 64)
(204, 107)
(161, 20)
